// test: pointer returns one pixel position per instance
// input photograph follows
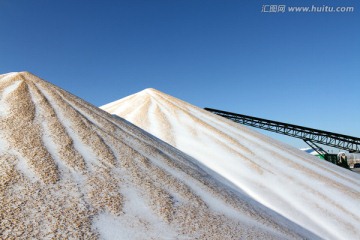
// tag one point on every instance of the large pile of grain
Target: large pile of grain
(315, 194)
(71, 170)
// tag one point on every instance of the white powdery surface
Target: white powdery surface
(69, 170)
(318, 196)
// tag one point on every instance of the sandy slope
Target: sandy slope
(316, 195)
(70, 170)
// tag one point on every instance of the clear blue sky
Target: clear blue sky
(301, 68)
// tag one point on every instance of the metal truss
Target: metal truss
(340, 141)
(316, 148)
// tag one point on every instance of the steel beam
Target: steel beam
(336, 140)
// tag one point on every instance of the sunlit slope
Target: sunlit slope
(317, 195)
(69, 170)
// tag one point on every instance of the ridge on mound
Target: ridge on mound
(71, 170)
(317, 195)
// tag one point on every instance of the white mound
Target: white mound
(318, 196)
(69, 170)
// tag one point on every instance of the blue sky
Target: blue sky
(301, 68)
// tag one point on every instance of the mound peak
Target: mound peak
(71, 170)
(150, 90)
(19, 75)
